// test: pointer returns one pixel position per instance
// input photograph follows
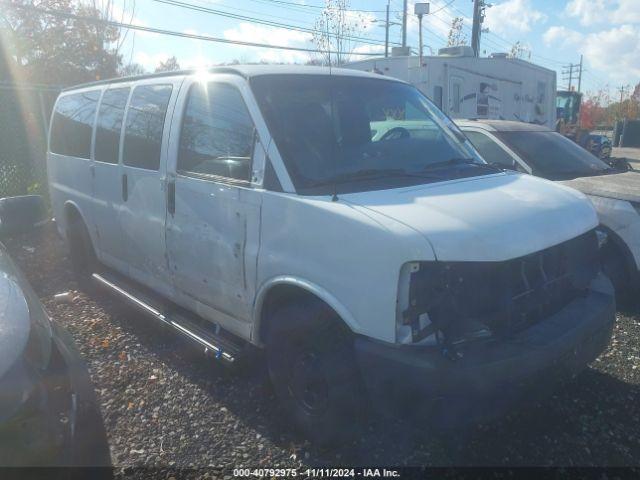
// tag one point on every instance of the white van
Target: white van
(249, 206)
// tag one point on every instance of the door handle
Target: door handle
(171, 196)
(125, 187)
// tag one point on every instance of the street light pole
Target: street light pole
(420, 9)
(386, 32)
(404, 24)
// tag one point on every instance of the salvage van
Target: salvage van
(249, 208)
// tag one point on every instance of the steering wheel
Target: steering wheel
(395, 133)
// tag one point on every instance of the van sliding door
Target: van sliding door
(107, 199)
(142, 181)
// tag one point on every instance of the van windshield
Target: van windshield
(347, 134)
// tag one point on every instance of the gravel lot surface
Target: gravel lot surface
(168, 407)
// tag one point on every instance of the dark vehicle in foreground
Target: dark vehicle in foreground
(48, 410)
(615, 193)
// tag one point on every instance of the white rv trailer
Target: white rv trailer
(464, 86)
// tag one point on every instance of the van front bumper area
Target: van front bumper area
(489, 378)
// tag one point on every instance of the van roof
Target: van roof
(245, 71)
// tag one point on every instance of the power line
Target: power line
(270, 23)
(321, 7)
(160, 31)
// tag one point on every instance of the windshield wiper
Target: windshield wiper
(372, 174)
(461, 161)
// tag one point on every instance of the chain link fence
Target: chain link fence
(24, 121)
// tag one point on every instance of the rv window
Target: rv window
(437, 96)
(490, 150)
(110, 116)
(72, 124)
(144, 124)
(217, 133)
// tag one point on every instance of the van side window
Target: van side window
(72, 124)
(110, 117)
(217, 133)
(144, 125)
(490, 150)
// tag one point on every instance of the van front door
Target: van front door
(214, 212)
(142, 182)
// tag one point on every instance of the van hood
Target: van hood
(621, 186)
(489, 218)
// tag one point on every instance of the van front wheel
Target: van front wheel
(313, 371)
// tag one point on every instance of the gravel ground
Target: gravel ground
(166, 406)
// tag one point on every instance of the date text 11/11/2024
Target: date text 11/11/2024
(317, 472)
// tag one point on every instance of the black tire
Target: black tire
(313, 371)
(84, 262)
(615, 267)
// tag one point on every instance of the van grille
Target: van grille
(508, 296)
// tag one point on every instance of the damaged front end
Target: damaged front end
(450, 304)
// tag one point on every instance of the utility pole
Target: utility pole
(571, 71)
(622, 90)
(580, 75)
(386, 32)
(420, 9)
(478, 17)
(404, 24)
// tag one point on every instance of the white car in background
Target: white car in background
(542, 152)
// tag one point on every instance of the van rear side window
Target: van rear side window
(110, 118)
(144, 125)
(72, 124)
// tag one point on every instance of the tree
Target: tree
(131, 69)
(169, 65)
(334, 29)
(456, 36)
(53, 49)
(519, 50)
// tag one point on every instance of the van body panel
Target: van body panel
(353, 256)
(143, 207)
(70, 178)
(489, 218)
(212, 236)
(106, 211)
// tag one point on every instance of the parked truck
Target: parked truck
(464, 86)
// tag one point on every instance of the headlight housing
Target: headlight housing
(451, 303)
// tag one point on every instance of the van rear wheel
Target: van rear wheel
(84, 262)
(313, 371)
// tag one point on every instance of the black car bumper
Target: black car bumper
(57, 422)
(87, 445)
(490, 378)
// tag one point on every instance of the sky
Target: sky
(554, 32)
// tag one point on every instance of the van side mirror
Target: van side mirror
(22, 214)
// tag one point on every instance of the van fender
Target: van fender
(65, 222)
(310, 287)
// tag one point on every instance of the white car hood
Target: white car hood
(621, 186)
(489, 218)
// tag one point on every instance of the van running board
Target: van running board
(217, 343)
